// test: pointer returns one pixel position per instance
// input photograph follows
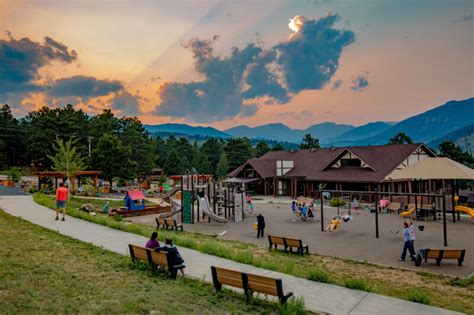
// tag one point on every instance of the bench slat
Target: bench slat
(139, 253)
(159, 258)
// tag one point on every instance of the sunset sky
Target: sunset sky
(226, 63)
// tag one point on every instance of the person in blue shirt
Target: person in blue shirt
(304, 212)
(406, 243)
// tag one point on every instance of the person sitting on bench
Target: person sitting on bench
(153, 242)
(174, 257)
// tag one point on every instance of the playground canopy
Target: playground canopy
(433, 168)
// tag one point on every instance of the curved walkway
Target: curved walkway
(319, 297)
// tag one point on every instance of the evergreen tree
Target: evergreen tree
(222, 168)
(309, 142)
(278, 147)
(400, 138)
(238, 151)
(261, 149)
(212, 150)
(11, 138)
(451, 150)
(134, 135)
(113, 158)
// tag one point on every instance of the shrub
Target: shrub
(318, 275)
(14, 174)
(294, 306)
(336, 202)
(89, 190)
(358, 284)
(118, 218)
(418, 296)
(461, 282)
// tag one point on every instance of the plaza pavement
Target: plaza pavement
(319, 297)
(352, 240)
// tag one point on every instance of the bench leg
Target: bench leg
(459, 262)
(285, 298)
(438, 262)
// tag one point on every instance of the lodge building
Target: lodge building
(364, 168)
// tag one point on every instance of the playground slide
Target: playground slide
(467, 210)
(206, 209)
(175, 209)
(170, 193)
(407, 213)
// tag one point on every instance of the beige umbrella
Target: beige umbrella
(433, 168)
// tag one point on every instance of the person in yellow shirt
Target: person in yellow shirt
(333, 224)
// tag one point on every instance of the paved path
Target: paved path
(318, 296)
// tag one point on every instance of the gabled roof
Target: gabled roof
(310, 164)
(341, 154)
(136, 195)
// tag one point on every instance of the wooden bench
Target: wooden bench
(287, 242)
(170, 223)
(160, 223)
(250, 283)
(155, 259)
(439, 255)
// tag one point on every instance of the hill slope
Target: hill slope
(186, 129)
(281, 132)
(463, 137)
(429, 125)
(358, 133)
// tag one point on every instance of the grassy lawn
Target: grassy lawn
(45, 272)
(422, 287)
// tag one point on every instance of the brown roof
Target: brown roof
(313, 164)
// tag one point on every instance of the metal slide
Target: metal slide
(206, 209)
(175, 209)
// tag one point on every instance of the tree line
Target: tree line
(122, 148)
(118, 147)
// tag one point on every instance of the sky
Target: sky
(242, 62)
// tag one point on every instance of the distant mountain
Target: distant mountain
(327, 130)
(463, 137)
(186, 130)
(278, 131)
(281, 132)
(429, 125)
(361, 132)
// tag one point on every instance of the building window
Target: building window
(351, 163)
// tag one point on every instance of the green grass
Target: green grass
(418, 296)
(358, 284)
(462, 282)
(390, 281)
(319, 275)
(43, 272)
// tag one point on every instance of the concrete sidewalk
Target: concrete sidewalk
(318, 296)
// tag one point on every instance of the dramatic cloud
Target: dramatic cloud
(311, 57)
(359, 83)
(83, 87)
(20, 61)
(248, 111)
(337, 84)
(307, 60)
(126, 103)
(466, 18)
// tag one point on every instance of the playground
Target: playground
(355, 239)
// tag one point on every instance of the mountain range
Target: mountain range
(448, 121)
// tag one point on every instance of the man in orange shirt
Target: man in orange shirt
(61, 197)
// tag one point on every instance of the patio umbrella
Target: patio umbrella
(435, 168)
